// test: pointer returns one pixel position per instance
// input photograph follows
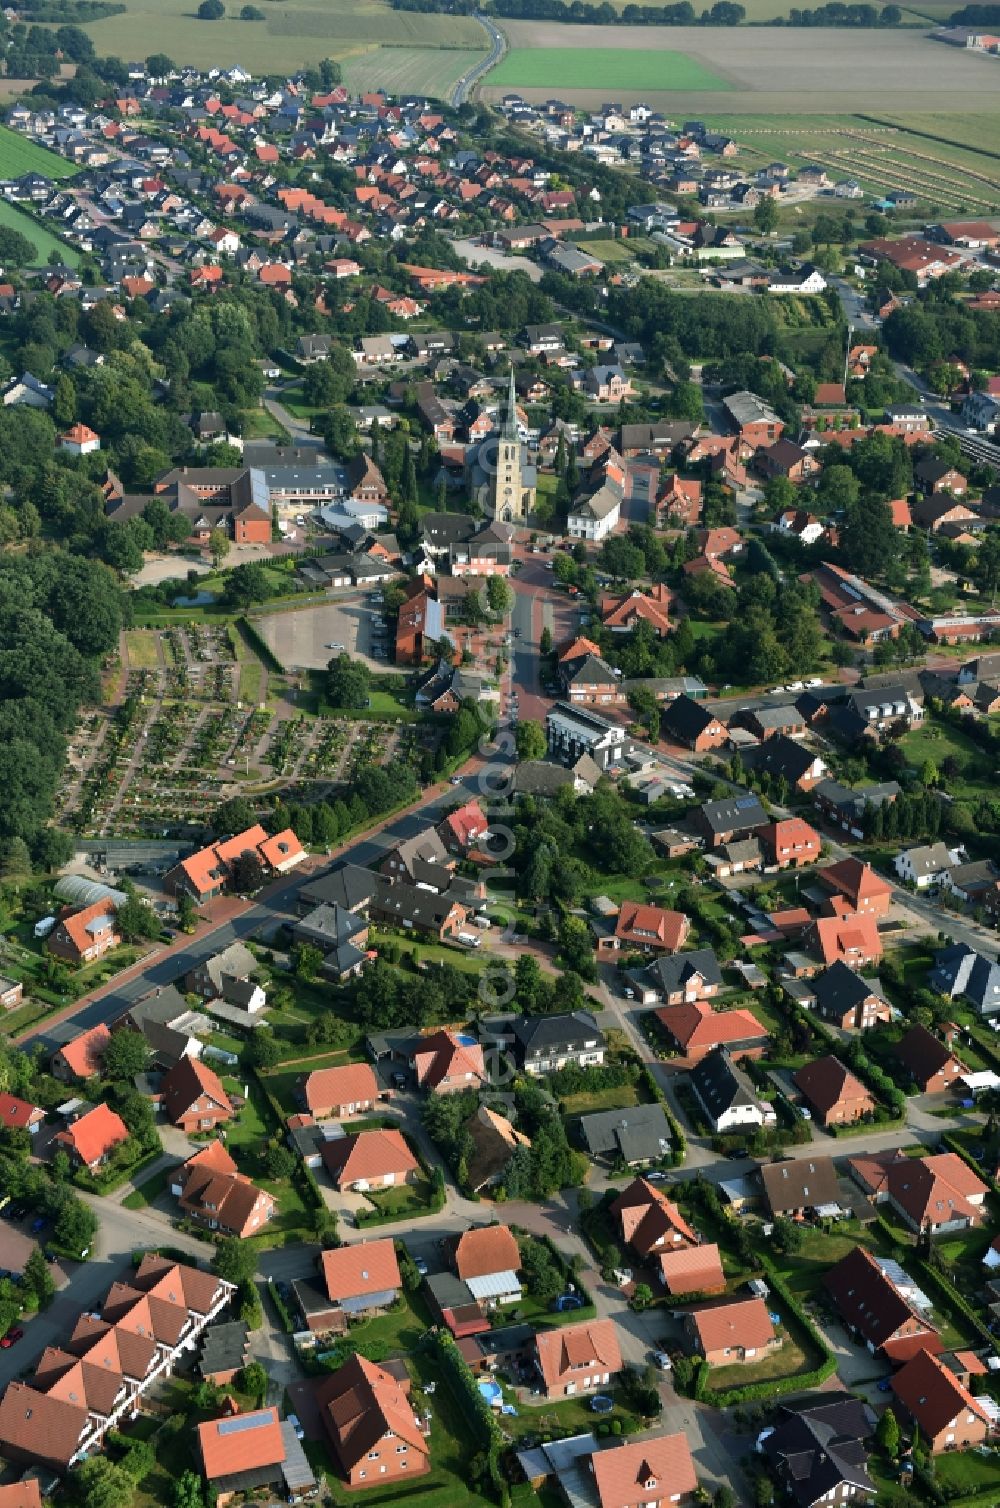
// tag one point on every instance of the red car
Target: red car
(12, 1336)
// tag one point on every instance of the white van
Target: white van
(469, 940)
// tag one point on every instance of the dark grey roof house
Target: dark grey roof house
(959, 971)
(638, 1134)
(817, 1449)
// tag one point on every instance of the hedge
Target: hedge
(477, 1411)
(259, 646)
(281, 1307)
(945, 1288)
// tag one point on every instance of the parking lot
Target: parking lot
(305, 640)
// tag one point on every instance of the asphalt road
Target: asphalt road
(468, 81)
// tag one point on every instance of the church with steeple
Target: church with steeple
(499, 480)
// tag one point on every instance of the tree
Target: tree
(211, 10)
(887, 1433)
(765, 216)
(308, 961)
(15, 249)
(38, 1278)
(99, 1482)
(262, 1050)
(125, 1055)
(348, 682)
(75, 1227)
(724, 1497)
(218, 546)
(252, 13)
(233, 816)
(136, 920)
(545, 641)
(246, 874)
(158, 65)
(247, 584)
(252, 1379)
(642, 1296)
(500, 596)
(186, 1491)
(235, 1260)
(530, 740)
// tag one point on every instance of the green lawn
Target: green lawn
(935, 740)
(41, 238)
(408, 1199)
(967, 1471)
(146, 1192)
(18, 156)
(614, 1097)
(603, 68)
(804, 1271)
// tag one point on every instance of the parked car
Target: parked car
(421, 1266)
(663, 1361)
(11, 1338)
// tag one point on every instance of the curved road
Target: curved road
(468, 81)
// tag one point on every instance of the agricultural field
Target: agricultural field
(292, 35)
(880, 154)
(770, 70)
(568, 68)
(43, 240)
(410, 70)
(19, 156)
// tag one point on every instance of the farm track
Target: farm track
(939, 162)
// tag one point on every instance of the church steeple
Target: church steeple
(509, 430)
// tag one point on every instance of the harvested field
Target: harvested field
(603, 68)
(410, 70)
(287, 39)
(777, 70)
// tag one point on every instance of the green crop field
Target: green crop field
(19, 156)
(560, 68)
(290, 37)
(410, 70)
(43, 240)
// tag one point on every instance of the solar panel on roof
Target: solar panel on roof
(244, 1422)
(745, 802)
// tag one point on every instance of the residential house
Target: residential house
(465, 831)
(933, 475)
(253, 1452)
(206, 874)
(726, 1094)
(694, 725)
(731, 817)
(732, 1331)
(645, 929)
(356, 1280)
(849, 809)
(622, 614)
(543, 1044)
(679, 503)
(934, 1194)
(370, 1426)
(575, 1359)
(790, 843)
(799, 1186)
(445, 1062)
(684, 977)
(931, 1064)
(834, 1094)
(365, 1160)
(85, 934)
(924, 865)
(881, 1306)
(494, 1141)
(816, 1449)
(654, 1228)
(417, 910)
(637, 1135)
(225, 1350)
(646, 1474)
(82, 1057)
(574, 731)
(337, 1093)
(752, 419)
(770, 722)
(932, 1399)
(11, 992)
(853, 940)
(849, 1001)
(20, 1115)
(487, 1259)
(225, 976)
(91, 1140)
(961, 973)
(210, 1189)
(694, 1030)
(863, 892)
(193, 1096)
(594, 515)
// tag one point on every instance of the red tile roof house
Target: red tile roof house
(21, 1494)
(645, 929)
(444, 1064)
(82, 1057)
(369, 1160)
(833, 1093)
(193, 1096)
(91, 1140)
(351, 1089)
(937, 1403)
(934, 1194)
(83, 935)
(737, 1330)
(853, 940)
(368, 1419)
(790, 844)
(210, 1188)
(463, 832)
(647, 1474)
(932, 1065)
(488, 1260)
(19, 1115)
(95, 1380)
(622, 614)
(695, 1029)
(242, 1453)
(206, 873)
(866, 892)
(873, 1308)
(357, 1280)
(577, 1358)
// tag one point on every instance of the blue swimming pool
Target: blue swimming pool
(492, 1392)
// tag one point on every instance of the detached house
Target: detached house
(488, 1260)
(736, 1330)
(932, 1065)
(836, 1096)
(878, 1304)
(576, 1359)
(853, 940)
(543, 1044)
(938, 1403)
(654, 1228)
(855, 887)
(445, 1062)
(91, 1140)
(694, 725)
(86, 934)
(336, 1093)
(648, 1474)
(790, 844)
(695, 1029)
(366, 1160)
(193, 1096)
(355, 1280)
(369, 1423)
(210, 1189)
(726, 1094)
(681, 978)
(645, 929)
(934, 1194)
(843, 997)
